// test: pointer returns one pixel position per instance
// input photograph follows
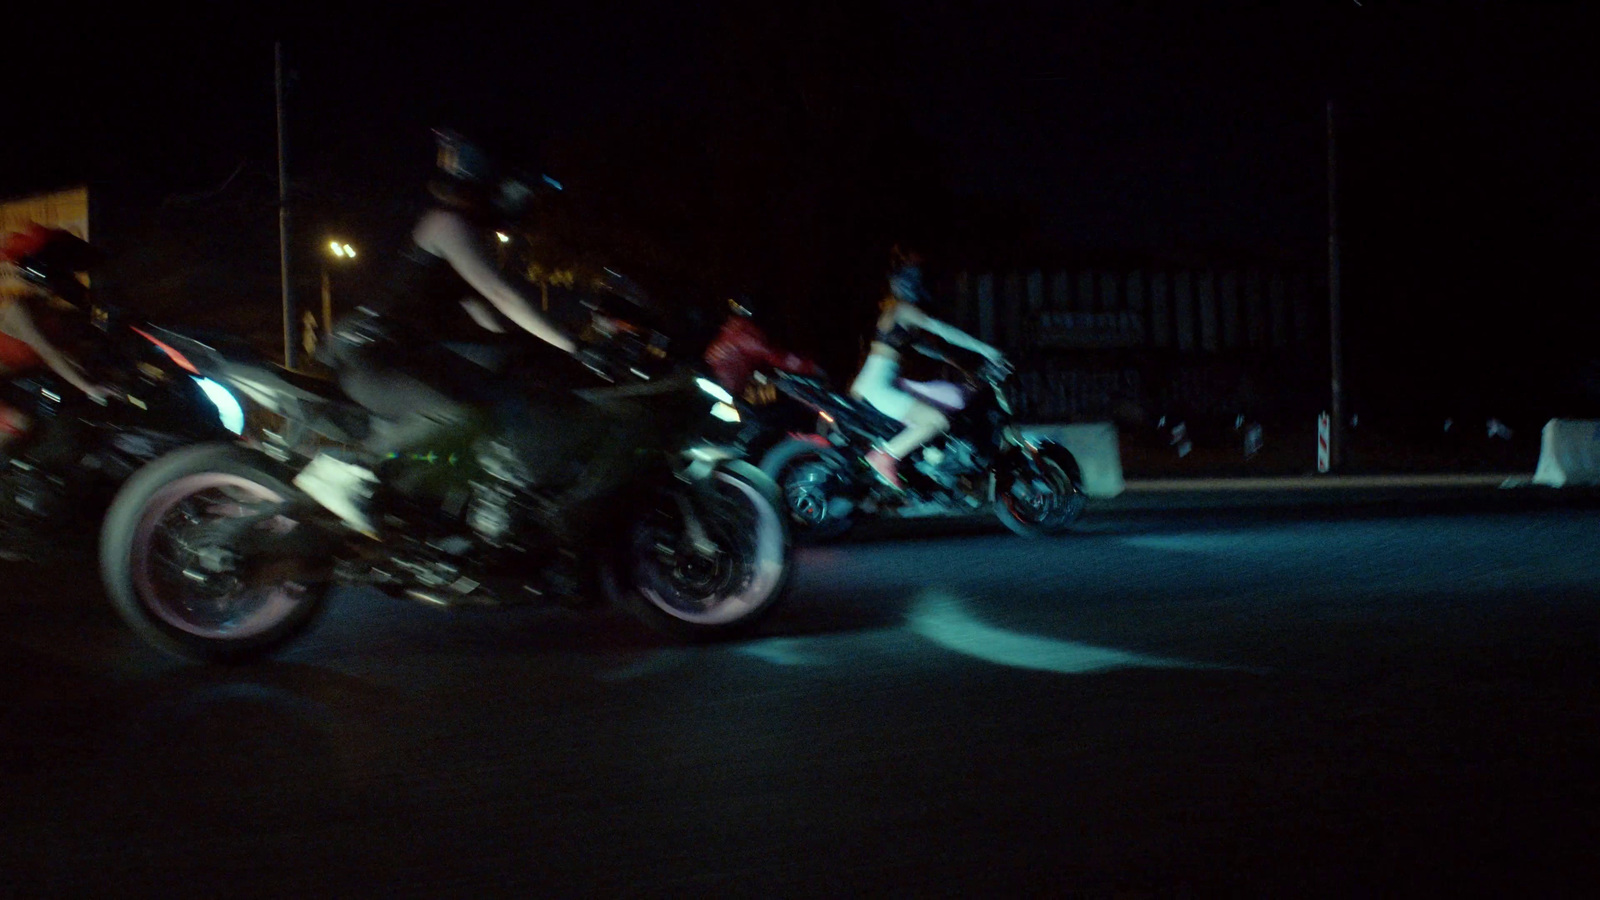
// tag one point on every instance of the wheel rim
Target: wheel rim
(735, 581)
(1043, 494)
(196, 587)
(805, 492)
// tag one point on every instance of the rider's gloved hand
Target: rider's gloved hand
(593, 360)
(100, 394)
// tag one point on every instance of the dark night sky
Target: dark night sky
(1468, 134)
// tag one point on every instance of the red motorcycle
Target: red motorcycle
(743, 359)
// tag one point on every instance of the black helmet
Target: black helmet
(461, 160)
(906, 285)
(905, 275)
(468, 171)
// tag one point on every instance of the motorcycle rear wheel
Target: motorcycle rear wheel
(182, 592)
(813, 481)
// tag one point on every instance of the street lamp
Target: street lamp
(340, 250)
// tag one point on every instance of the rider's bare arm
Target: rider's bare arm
(16, 321)
(479, 311)
(916, 318)
(448, 236)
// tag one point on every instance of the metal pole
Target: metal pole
(283, 217)
(327, 301)
(1335, 318)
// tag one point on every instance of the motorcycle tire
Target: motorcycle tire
(160, 585)
(813, 481)
(1051, 516)
(692, 597)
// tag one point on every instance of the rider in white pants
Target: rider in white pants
(876, 381)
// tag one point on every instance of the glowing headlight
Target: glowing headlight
(228, 408)
(725, 412)
(714, 389)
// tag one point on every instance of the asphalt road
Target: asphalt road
(1288, 701)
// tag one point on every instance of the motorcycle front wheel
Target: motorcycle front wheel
(178, 560)
(707, 562)
(1042, 495)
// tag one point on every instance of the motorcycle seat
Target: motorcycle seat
(942, 395)
(870, 417)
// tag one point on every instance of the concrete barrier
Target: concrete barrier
(1569, 453)
(1094, 444)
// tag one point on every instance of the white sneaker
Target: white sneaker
(344, 489)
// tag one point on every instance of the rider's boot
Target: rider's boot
(344, 489)
(887, 468)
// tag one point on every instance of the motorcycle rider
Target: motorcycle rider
(742, 347)
(38, 269)
(899, 319)
(391, 354)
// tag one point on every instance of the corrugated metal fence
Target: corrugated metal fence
(1110, 344)
(1187, 310)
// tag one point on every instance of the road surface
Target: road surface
(1289, 701)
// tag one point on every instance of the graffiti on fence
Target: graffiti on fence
(1080, 329)
(1063, 388)
(1055, 392)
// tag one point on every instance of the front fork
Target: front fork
(693, 528)
(1011, 436)
(700, 465)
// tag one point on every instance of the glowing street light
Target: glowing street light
(340, 250)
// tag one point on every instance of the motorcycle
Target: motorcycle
(982, 460)
(211, 554)
(79, 453)
(741, 357)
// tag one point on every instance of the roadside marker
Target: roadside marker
(1323, 425)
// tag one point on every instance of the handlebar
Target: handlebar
(997, 369)
(597, 362)
(796, 377)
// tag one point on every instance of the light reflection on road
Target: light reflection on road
(944, 619)
(783, 651)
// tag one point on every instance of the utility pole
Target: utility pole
(283, 217)
(327, 301)
(1335, 319)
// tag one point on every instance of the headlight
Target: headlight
(228, 408)
(725, 412)
(714, 389)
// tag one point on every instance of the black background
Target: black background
(780, 149)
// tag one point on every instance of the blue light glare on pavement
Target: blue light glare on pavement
(944, 620)
(782, 652)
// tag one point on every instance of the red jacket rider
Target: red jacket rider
(741, 348)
